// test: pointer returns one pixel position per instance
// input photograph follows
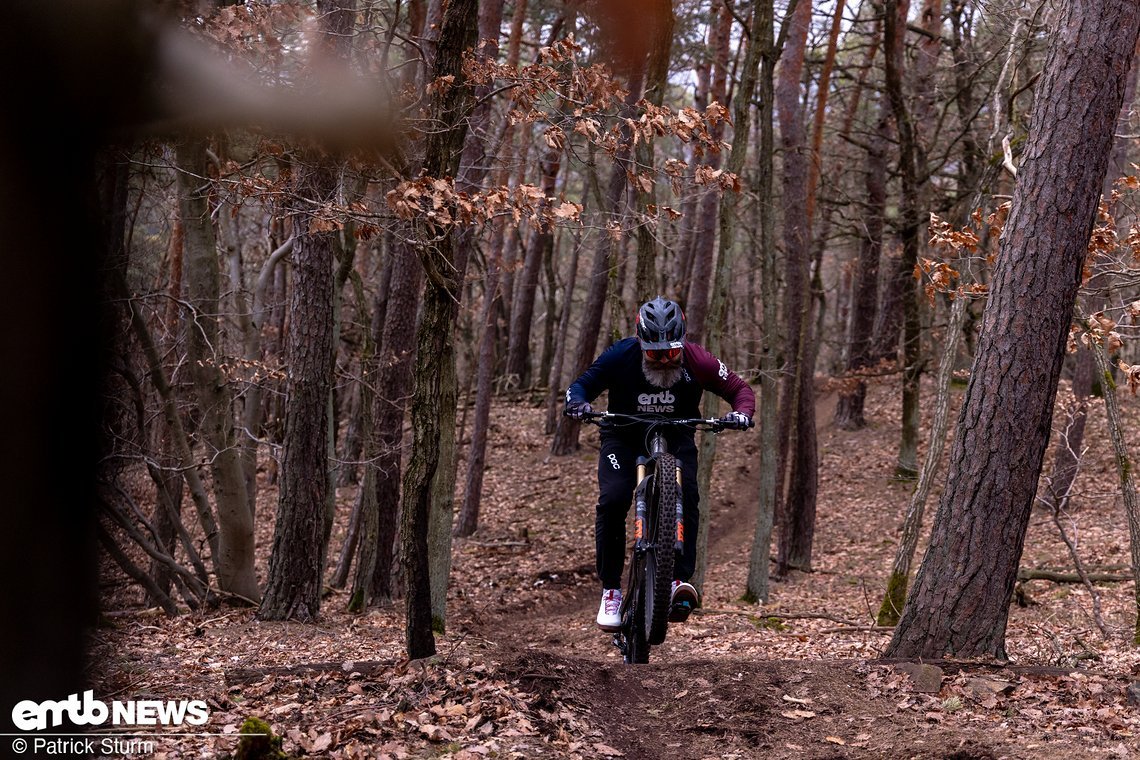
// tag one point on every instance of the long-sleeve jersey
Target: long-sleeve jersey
(618, 370)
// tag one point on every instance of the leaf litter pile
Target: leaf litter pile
(522, 671)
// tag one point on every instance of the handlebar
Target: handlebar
(713, 424)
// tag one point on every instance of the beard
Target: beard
(660, 377)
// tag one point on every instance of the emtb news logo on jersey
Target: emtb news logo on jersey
(656, 402)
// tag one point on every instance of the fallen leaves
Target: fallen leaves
(463, 705)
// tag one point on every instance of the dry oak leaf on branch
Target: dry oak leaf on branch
(1101, 331)
(1132, 372)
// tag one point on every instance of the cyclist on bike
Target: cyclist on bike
(657, 372)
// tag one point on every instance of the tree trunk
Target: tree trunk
(657, 79)
(797, 517)
(468, 519)
(757, 49)
(169, 484)
(296, 565)
(472, 171)
(893, 27)
(557, 390)
(1066, 452)
(1124, 471)
(434, 369)
(164, 472)
(393, 384)
(364, 520)
(366, 493)
(895, 595)
(522, 311)
(550, 320)
(756, 587)
(234, 563)
(961, 50)
(708, 208)
(849, 411)
(960, 602)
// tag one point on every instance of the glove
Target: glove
(736, 421)
(578, 409)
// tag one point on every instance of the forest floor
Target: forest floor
(523, 672)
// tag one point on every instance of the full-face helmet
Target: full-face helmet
(661, 326)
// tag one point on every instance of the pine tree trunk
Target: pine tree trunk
(960, 602)
(294, 584)
(296, 565)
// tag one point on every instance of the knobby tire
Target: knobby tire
(659, 559)
(637, 648)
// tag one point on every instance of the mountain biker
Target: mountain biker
(656, 372)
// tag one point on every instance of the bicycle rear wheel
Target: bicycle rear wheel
(660, 557)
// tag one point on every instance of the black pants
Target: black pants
(617, 477)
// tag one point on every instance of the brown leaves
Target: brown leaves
(437, 201)
(1102, 331)
(1132, 373)
(943, 235)
(724, 180)
(555, 138)
(440, 85)
(942, 277)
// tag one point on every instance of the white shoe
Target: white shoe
(682, 601)
(609, 613)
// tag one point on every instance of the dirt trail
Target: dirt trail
(696, 699)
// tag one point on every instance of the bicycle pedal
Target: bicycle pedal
(680, 612)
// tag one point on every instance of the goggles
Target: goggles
(663, 354)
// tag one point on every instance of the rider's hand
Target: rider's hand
(736, 420)
(578, 409)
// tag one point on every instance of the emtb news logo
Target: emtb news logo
(88, 711)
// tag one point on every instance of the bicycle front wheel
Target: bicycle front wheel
(660, 557)
(635, 648)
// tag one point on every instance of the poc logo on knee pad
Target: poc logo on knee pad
(614, 461)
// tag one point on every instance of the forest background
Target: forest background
(334, 234)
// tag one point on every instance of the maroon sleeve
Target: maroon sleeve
(713, 375)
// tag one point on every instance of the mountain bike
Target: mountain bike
(658, 530)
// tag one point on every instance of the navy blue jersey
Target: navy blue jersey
(618, 370)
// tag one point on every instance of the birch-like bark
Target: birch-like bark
(891, 608)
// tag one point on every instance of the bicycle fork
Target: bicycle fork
(679, 544)
(640, 505)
